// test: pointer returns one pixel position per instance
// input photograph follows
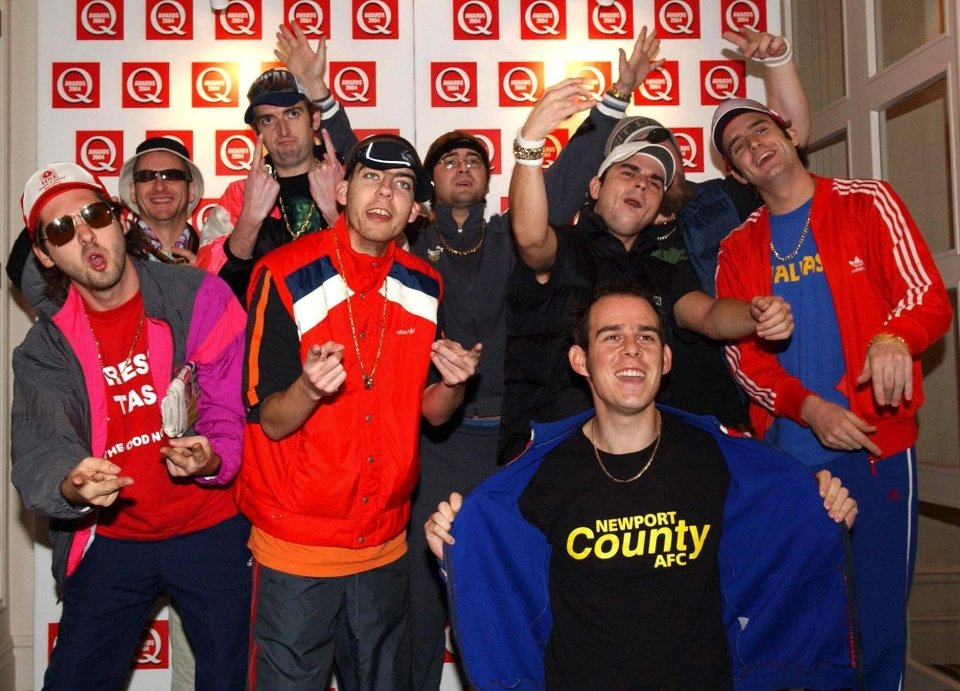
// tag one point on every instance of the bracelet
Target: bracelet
(617, 94)
(778, 61)
(524, 143)
(528, 153)
(885, 337)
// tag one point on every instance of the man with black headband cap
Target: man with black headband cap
(291, 191)
(340, 338)
(475, 256)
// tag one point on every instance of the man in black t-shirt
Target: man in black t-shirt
(632, 506)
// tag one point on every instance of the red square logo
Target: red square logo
(722, 79)
(692, 152)
(185, 137)
(76, 85)
(99, 20)
(677, 18)
(354, 83)
(234, 151)
(146, 84)
(476, 20)
(312, 16)
(521, 83)
(491, 140)
(454, 84)
(749, 13)
(202, 211)
(214, 84)
(100, 151)
(596, 76)
(556, 140)
(241, 21)
(376, 19)
(661, 86)
(543, 19)
(610, 21)
(169, 20)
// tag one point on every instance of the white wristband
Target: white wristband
(532, 162)
(778, 61)
(529, 143)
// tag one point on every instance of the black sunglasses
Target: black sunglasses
(170, 174)
(657, 135)
(61, 230)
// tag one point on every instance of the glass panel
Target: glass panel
(905, 26)
(915, 140)
(818, 50)
(939, 442)
(830, 158)
(934, 624)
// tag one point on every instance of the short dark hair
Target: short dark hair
(801, 150)
(580, 322)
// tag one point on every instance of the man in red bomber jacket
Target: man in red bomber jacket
(843, 393)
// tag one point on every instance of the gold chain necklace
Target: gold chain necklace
(303, 225)
(466, 252)
(676, 224)
(596, 452)
(367, 378)
(803, 236)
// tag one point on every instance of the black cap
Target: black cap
(386, 151)
(455, 139)
(273, 88)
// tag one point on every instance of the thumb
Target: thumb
(867, 372)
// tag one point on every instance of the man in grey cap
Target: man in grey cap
(290, 190)
(560, 265)
(163, 186)
(341, 333)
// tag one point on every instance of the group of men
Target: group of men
(346, 372)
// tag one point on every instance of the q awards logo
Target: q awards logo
(152, 651)
(491, 140)
(375, 19)
(145, 84)
(722, 79)
(76, 85)
(677, 18)
(749, 13)
(690, 140)
(169, 20)
(596, 76)
(100, 20)
(476, 20)
(202, 211)
(556, 140)
(543, 19)
(312, 16)
(234, 151)
(521, 83)
(240, 21)
(185, 137)
(355, 83)
(454, 84)
(610, 21)
(99, 151)
(214, 84)
(661, 87)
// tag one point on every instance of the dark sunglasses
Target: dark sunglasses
(61, 230)
(168, 175)
(657, 135)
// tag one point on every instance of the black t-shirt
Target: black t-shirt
(634, 579)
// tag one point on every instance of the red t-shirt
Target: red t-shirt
(156, 506)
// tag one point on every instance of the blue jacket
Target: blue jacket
(784, 570)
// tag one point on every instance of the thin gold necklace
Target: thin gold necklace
(596, 452)
(367, 378)
(803, 236)
(466, 252)
(133, 346)
(303, 224)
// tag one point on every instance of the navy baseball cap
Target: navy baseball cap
(386, 151)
